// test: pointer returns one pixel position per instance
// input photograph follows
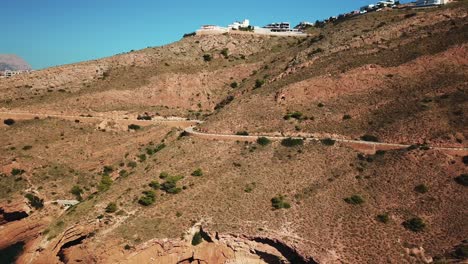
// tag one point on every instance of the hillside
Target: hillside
(153, 145)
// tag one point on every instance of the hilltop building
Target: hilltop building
(8, 73)
(283, 29)
(237, 25)
(432, 2)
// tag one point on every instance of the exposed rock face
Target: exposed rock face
(13, 63)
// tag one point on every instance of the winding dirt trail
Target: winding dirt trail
(189, 126)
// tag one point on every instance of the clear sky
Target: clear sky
(54, 32)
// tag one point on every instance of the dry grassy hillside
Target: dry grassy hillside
(149, 192)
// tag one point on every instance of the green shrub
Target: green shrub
(242, 133)
(27, 147)
(111, 208)
(155, 185)
(9, 122)
(148, 198)
(35, 201)
(370, 138)
(132, 164)
(320, 105)
(207, 57)
(225, 52)
(142, 157)
(163, 175)
(197, 239)
(259, 83)
(170, 185)
(328, 141)
(107, 170)
(77, 191)
(354, 199)
(123, 173)
(134, 127)
(279, 202)
(461, 252)
(197, 173)
(415, 224)
(105, 183)
(421, 188)
(234, 85)
(462, 179)
(16, 172)
(263, 141)
(383, 218)
(127, 247)
(346, 117)
(465, 160)
(292, 142)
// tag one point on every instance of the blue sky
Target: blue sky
(54, 32)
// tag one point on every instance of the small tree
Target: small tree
(242, 133)
(35, 201)
(197, 239)
(279, 202)
(383, 218)
(9, 122)
(462, 179)
(16, 172)
(155, 185)
(370, 138)
(259, 83)
(328, 141)
(105, 184)
(292, 142)
(263, 141)
(148, 198)
(134, 127)
(207, 57)
(197, 173)
(163, 175)
(111, 208)
(415, 224)
(77, 191)
(355, 200)
(225, 52)
(234, 85)
(421, 188)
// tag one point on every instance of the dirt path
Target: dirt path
(189, 127)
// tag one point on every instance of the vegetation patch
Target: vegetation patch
(148, 198)
(354, 199)
(292, 142)
(370, 138)
(259, 83)
(197, 173)
(328, 142)
(263, 141)
(234, 85)
(421, 188)
(77, 191)
(17, 172)
(9, 122)
(279, 202)
(155, 185)
(134, 127)
(105, 183)
(462, 179)
(295, 115)
(197, 239)
(242, 133)
(415, 224)
(207, 57)
(170, 184)
(35, 201)
(383, 218)
(111, 208)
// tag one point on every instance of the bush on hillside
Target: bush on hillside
(383, 218)
(155, 185)
(415, 224)
(354, 199)
(9, 122)
(225, 52)
(197, 239)
(111, 208)
(170, 185)
(35, 201)
(17, 172)
(328, 141)
(242, 133)
(370, 138)
(163, 175)
(263, 141)
(132, 164)
(77, 191)
(462, 179)
(107, 170)
(105, 184)
(197, 173)
(134, 127)
(207, 57)
(234, 85)
(279, 202)
(292, 142)
(421, 188)
(465, 160)
(148, 198)
(259, 83)
(347, 117)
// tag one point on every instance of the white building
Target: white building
(8, 73)
(67, 203)
(236, 25)
(432, 2)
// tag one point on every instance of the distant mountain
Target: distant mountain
(13, 62)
